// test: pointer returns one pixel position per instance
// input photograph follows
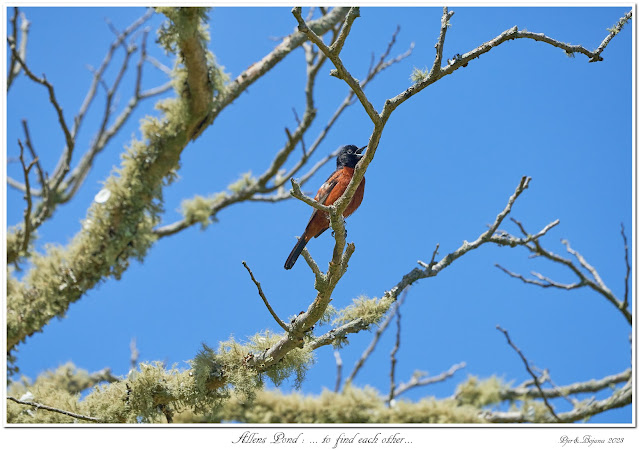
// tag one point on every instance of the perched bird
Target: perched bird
(347, 158)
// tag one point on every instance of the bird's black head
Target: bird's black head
(349, 156)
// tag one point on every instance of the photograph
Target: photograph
(379, 219)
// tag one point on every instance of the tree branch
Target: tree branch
(393, 355)
(418, 380)
(624, 305)
(530, 371)
(56, 410)
(268, 306)
(531, 243)
(14, 66)
(462, 60)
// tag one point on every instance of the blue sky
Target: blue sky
(448, 161)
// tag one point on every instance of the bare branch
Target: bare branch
(393, 355)
(65, 159)
(268, 306)
(571, 389)
(320, 277)
(256, 70)
(531, 243)
(378, 334)
(613, 32)
(26, 230)
(462, 60)
(14, 66)
(298, 194)
(624, 305)
(56, 410)
(42, 178)
(617, 399)
(337, 46)
(341, 73)
(530, 371)
(439, 46)
(418, 380)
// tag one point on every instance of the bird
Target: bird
(347, 158)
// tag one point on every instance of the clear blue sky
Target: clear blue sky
(447, 163)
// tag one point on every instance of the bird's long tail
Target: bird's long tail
(297, 250)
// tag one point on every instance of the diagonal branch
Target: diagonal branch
(56, 410)
(268, 305)
(613, 32)
(530, 371)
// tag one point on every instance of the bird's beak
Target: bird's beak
(360, 150)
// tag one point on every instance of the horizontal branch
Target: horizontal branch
(55, 410)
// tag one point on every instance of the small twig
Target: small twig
(338, 362)
(531, 243)
(44, 183)
(320, 277)
(430, 265)
(27, 196)
(530, 371)
(541, 280)
(298, 194)
(613, 31)
(417, 380)
(56, 410)
(393, 355)
(378, 334)
(268, 306)
(624, 305)
(14, 69)
(439, 46)
(337, 46)
(334, 57)
(155, 62)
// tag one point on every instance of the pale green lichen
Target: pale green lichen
(371, 310)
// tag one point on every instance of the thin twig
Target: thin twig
(68, 151)
(624, 305)
(417, 380)
(56, 410)
(268, 306)
(613, 32)
(531, 243)
(393, 355)
(439, 46)
(378, 334)
(27, 196)
(530, 371)
(14, 67)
